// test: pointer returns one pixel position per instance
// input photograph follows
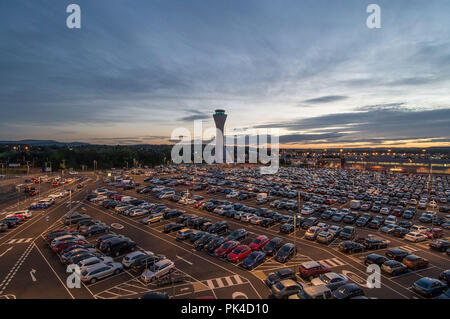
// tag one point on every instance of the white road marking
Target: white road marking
(190, 263)
(10, 248)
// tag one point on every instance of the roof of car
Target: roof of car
(310, 264)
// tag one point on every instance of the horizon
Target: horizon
(313, 70)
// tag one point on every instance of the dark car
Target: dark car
(145, 261)
(285, 273)
(172, 228)
(219, 228)
(348, 291)
(351, 247)
(267, 222)
(374, 259)
(445, 276)
(237, 234)
(429, 287)
(253, 260)
(75, 218)
(117, 246)
(286, 252)
(374, 243)
(439, 245)
(202, 242)
(272, 246)
(396, 254)
(347, 233)
(214, 244)
(286, 228)
(394, 267)
(400, 232)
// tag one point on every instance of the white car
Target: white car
(26, 213)
(160, 269)
(415, 237)
(232, 195)
(419, 229)
(390, 220)
(138, 212)
(385, 210)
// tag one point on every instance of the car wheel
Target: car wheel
(93, 280)
(117, 253)
(116, 272)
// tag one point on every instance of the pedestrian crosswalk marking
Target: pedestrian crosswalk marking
(332, 262)
(409, 249)
(19, 241)
(223, 282)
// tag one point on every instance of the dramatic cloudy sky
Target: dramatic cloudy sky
(139, 68)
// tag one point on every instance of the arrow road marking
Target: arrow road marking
(32, 272)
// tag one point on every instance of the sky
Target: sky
(138, 69)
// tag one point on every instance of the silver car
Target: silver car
(331, 279)
(99, 271)
(160, 269)
(86, 263)
(129, 259)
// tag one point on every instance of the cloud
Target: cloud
(196, 115)
(326, 99)
(375, 124)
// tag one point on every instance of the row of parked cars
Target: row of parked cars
(94, 260)
(14, 219)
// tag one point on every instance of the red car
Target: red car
(21, 217)
(239, 253)
(197, 205)
(66, 244)
(434, 233)
(226, 248)
(259, 242)
(118, 197)
(311, 269)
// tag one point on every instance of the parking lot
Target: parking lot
(199, 274)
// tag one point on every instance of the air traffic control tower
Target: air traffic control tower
(219, 118)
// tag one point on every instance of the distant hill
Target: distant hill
(43, 143)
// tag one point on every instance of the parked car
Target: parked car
(285, 253)
(99, 271)
(117, 246)
(331, 280)
(239, 253)
(225, 248)
(348, 291)
(158, 270)
(259, 242)
(310, 269)
(280, 274)
(396, 254)
(272, 247)
(253, 260)
(284, 288)
(429, 287)
(414, 262)
(393, 267)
